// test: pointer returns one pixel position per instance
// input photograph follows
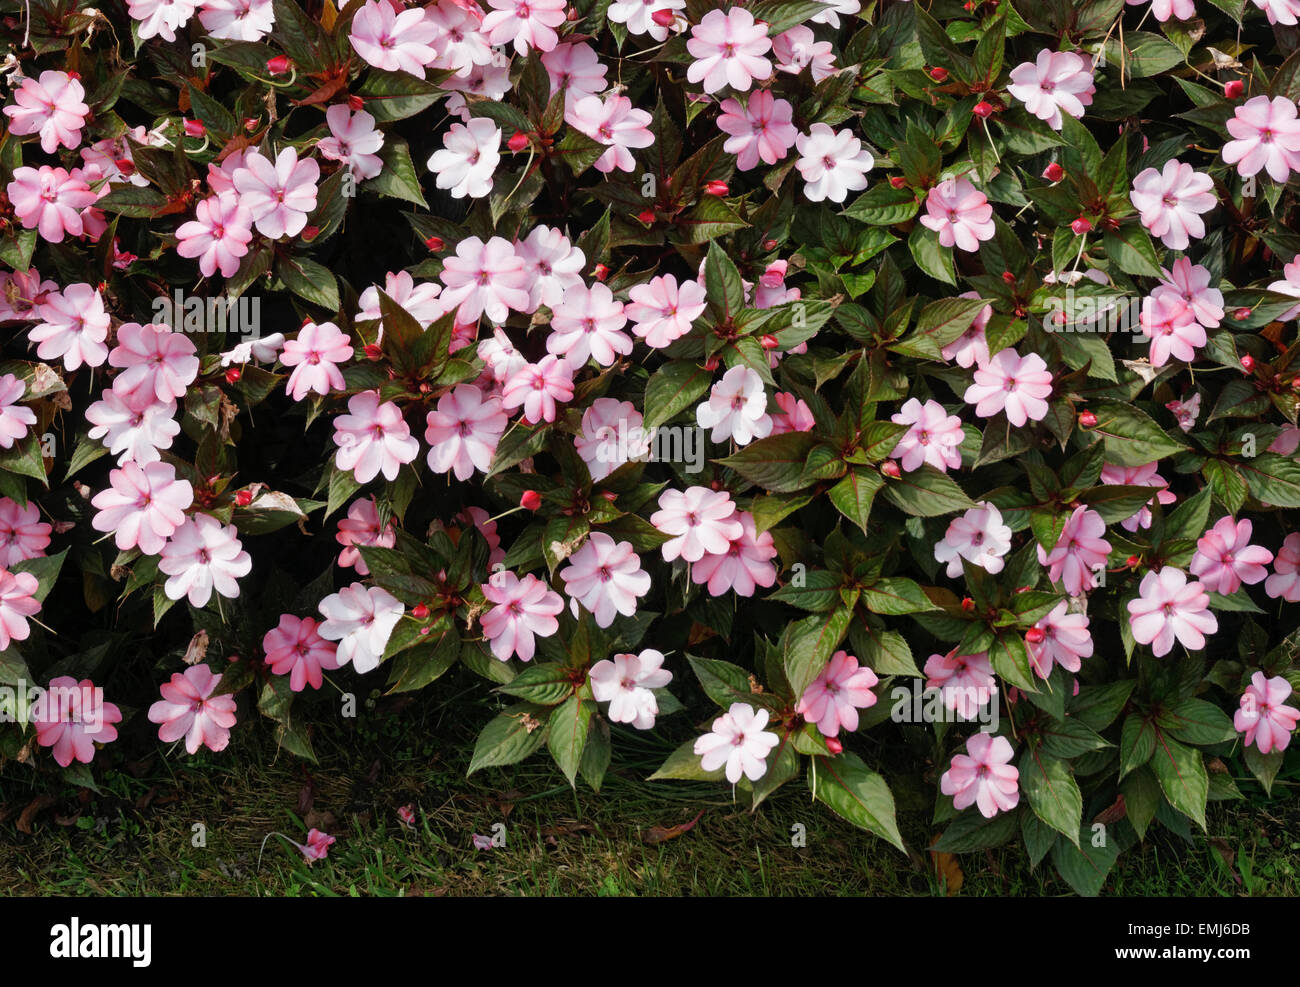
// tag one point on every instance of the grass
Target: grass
(169, 825)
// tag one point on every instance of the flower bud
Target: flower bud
(664, 18)
(278, 65)
(770, 245)
(968, 604)
(1035, 635)
(310, 232)
(1081, 226)
(834, 746)
(1087, 419)
(1241, 314)
(531, 500)
(373, 352)
(600, 273)
(1248, 363)
(419, 611)
(195, 128)
(232, 375)
(646, 216)
(518, 141)
(891, 469)
(1008, 277)
(355, 102)
(938, 73)
(716, 187)
(434, 243)
(1233, 88)
(243, 498)
(1053, 172)
(983, 109)
(769, 342)
(897, 181)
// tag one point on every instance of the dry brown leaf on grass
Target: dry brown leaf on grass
(947, 869)
(34, 808)
(661, 834)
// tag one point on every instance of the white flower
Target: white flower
(738, 741)
(468, 159)
(979, 537)
(133, 429)
(737, 408)
(832, 164)
(263, 349)
(361, 619)
(203, 555)
(625, 684)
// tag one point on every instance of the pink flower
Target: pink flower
(373, 438)
(161, 18)
(1065, 641)
(53, 106)
(959, 213)
(468, 158)
(771, 290)
(638, 15)
(278, 196)
(1191, 284)
(1279, 11)
(156, 360)
(419, 300)
(22, 293)
(1186, 411)
(605, 577)
(984, 777)
(610, 436)
(798, 49)
(459, 44)
(979, 537)
(538, 387)
(50, 200)
(237, 20)
(830, 12)
(1138, 476)
(729, 49)
(1287, 441)
(971, 347)
(1170, 202)
(702, 522)
(1056, 81)
(218, 235)
(1014, 384)
(1267, 137)
(23, 535)
(143, 507)
(315, 356)
(485, 278)
(521, 609)
(1168, 606)
(391, 40)
(613, 122)
(832, 164)
(935, 437)
(134, 425)
(1080, 552)
(1263, 717)
(737, 408)
(1225, 558)
(576, 69)
(587, 324)
(524, 23)
(761, 129)
(203, 555)
(1288, 285)
(1285, 581)
(626, 683)
(353, 140)
(836, 695)
(72, 717)
(739, 742)
(464, 431)
(552, 265)
(361, 619)
(317, 846)
(14, 417)
(745, 565)
(361, 529)
(662, 311)
(965, 682)
(1163, 10)
(74, 326)
(1172, 328)
(17, 603)
(295, 648)
(794, 416)
(189, 709)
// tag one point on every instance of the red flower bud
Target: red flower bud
(1233, 88)
(646, 216)
(600, 273)
(1081, 226)
(1131, 561)
(419, 611)
(769, 244)
(891, 469)
(310, 232)
(983, 109)
(968, 604)
(518, 142)
(1087, 419)
(1248, 363)
(664, 18)
(278, 65)
(1008, 277)
(716, 187)
(1053, 172)
(938, 73)
(373, 352)
(769, 342)
(250, 124)
(711, 364)
(1241, 314)
(355, 102)
(195, 128)
(124, 166)
(75, 75)
(243, 498)
(434, 243)
(1035, 635)
(897, 181)
(531, 500)
(232, 375)
(834, 746)
(609, 495)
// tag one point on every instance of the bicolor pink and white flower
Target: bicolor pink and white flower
(965, 682)
(1191, 283)
(1080, 552)
(468, 158)
(760, 129)
(745, 565)
(971, 348)
(1225, 558)
(552, 265)
(203, 555)
(1170, 202)
(188, 709)
(523, 609)
(161, 19)
(237, 20)
(1263, 715)
(373, 438)
(661, 310)
(15, 418)
(50, 201)
(74, 327)
(701, 522)
(933, 436)
(606, 577)
(539, 388)
(1016, 385)
(143, 506)
(524, 23)
(17, 603)
(393, 39)
(278, 195)
(737, 408)
(294, 647)
(729, 49)
(638, 15)
(23, 535)
(1055, 82)
(315, 356)
(53, 106)
(984, 776)
(1171, 325)
(218, 235)
(841, 689)
(615, 122)
(611, 434)
(154, 360)
(577, 69)
(738, 743)
(361, 529)
(587, 324)
(1284, 583)
(353, 140)
(1138, 476)
(832, 164)
(627, 682)
(1169, 607)
(361, 619)
(463, 431)
(960, 213)
(1266, 137)
(798, 48)
(72, 717)
(979, 536)
(1065, 641)
(484, 279)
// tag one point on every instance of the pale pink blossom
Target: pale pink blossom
(771, 291)
(611, 434)
(971, 348)
(1225, 558)
(468, 158)
(745, 564)
(14, 417)
(960, 213)
(237, 20)
(1279, 11)
(965, 682)
(134, 425)
(979, 536)
(1080, 552)
(161, 18)
(832, 164)
(616, 123)
(638, 15)
(1289, 284)
(552, 265)
(933, 436)
(1169, 606)
(983, 777)
(189, 709)
(1191, 284)
(218, 235)
(587, 324)
(738, 742)
(522, 610)
(485, 278)
(1266, 136)
(626, 683)
(737, 408)
(359, 529)
(203, 555)
(373, 438)
(701, 522)
(459, 43)
(1138, 476)
(605, 577)
(72, 717)
(833, 699)
(23, 535)
(1171, 325)
(463, 431)
(728, 48)
(353, 140)
(74, 326)
(1065, 641)
(760, 129)
(502, 360)
(1264, 717)
(393, 40)
(295, 648)
(577, 70)
(22, 293)
(317, 846)
(154, 360)
(524, 23)
(1016, 385)
(53, 106)
(278, 196)
(797, 49)
(143, 507)
(794, 416)
(17, 603)
(418, 299)
(361, 619)
(50, 200)
(539, 388)
(662, 310)
(1163, 10)
(315, 355)
(1056, 82)
(1186, 411)
(1169, 202)
(1284, 583)
(832, 9)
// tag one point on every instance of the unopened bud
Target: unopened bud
(531, 500)
(716, 187)
(1035, 635)
(983, 109)
(938, 73)
(278, 65)
(664, 18)
(194, 128)
(1081, 226)
(1248, 363)
(1053, 172)
(518, 141)
(891, 469)
(1233, 88)
(243, 498)
(1087, 419)
(419, 611)
(232, 375)
(434, 243)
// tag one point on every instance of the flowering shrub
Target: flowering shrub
(883, 375)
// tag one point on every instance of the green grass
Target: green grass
(137, 836)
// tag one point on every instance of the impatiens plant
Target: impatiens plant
(898, 399)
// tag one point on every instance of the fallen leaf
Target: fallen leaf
(34, 808)
(947, 869)
(661, 834)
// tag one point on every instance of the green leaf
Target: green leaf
(1272, 479)
(1052, 791)
(398, 179)
(1010, 659)
(810, 644)
(855, 793)
(853, 495)
(939, 324)
(1132, 437)
(673, 388)
(567, 734)
(1131, 248)
(931, 258)
(776, 463)
(1137, 742)
(310, 280)
(546, 684)
(510, 737)
(1083, 863)
(884, 205)
(896, 595)
(683, 764)
(721, 681)
(927, 492)
(722, 282)
(1182, 776)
